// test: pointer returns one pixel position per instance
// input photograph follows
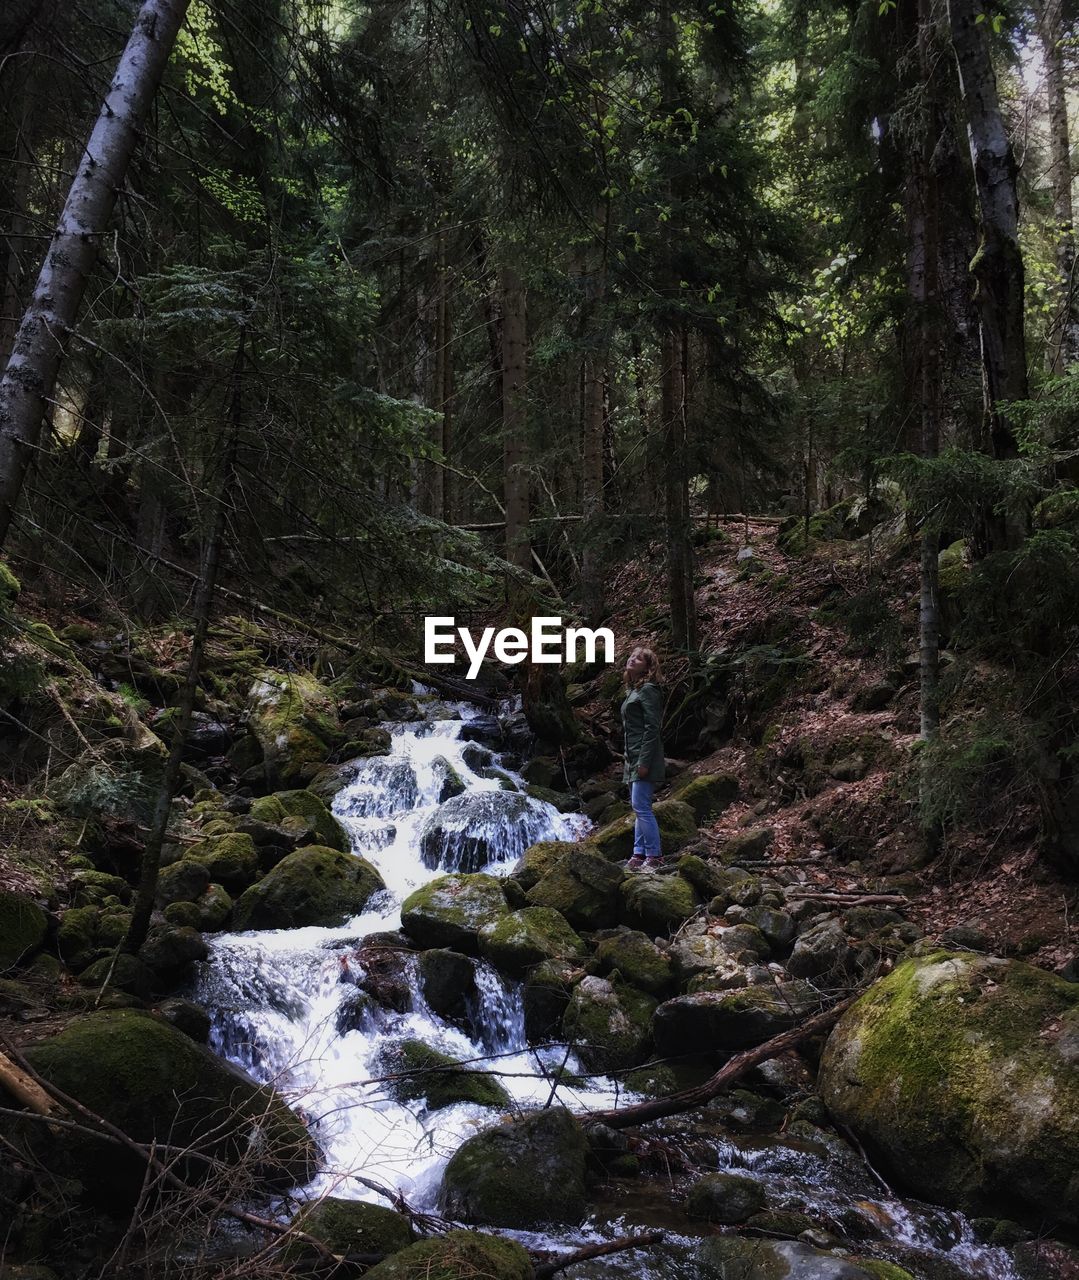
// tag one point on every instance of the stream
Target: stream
(285, 1007)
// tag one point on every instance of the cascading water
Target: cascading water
(290, 1006)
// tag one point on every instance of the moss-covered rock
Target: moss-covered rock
(451, 784)
(710, 879)
(677, 827)
(214, 906)
(658, 903)
(317, 823)
(294, 718)
(122, 972)
(609, 1023)
(157, 1085)
(583, 887)
(92, 888)
(23, 927)
(170, 951)
(9, 584)
(709, 1020)
(230, 860)
(733, 1258)
(451, 910)
(961, 1072)
(457, 1255)
(707, 795)
(513, 943)
(539, 859)
(704, 954)
(437, 1077)
(182, 914)
(313, 885)
(183, 881)
(76, 938)
(545, 997)
(637, 959)
(350, 1226)
(725, 1197)
(748, 846)
(523, 1173)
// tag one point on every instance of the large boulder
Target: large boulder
(451, 911)
(350, 1226)
(23, 926)
(294, 719)
(515, 942)
(448, 982)
(658, 903)
(311, 886)
(457, 1255)
(708, 795)
(523, 1173)
(960, 1072)
(583, 887)
(230, 859)
(476, 828)
(677, 827)
(157, 1085)
(728, 1020)
(539, 859)
(609, 1023)
(420, 1072)
(725, 1197)
(302, 818)
(821, 950)
(637, 960)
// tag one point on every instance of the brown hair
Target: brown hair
(652, 669)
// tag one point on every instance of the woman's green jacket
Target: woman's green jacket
(642, 718)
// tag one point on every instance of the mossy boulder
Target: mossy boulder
(9, 584)
(92, 888)
(294, 719)
(77, 937)
(214, 906)
(122, 972)
(183, 881)
(314, 885)
(170, 951)
(539, 859)
(748, 846)
(457, 1255)
(677, 827)
(610, 1024)
(513, 943)
(734, 1258)
(451, 910)
(545, 996)
(704, 955)
(452, 784)
(23, 927)
(726, 1020)
(961, 1073)
(312, 822)
(583, 887)
(231, 860)
(707, 795)
(154, 1083)
(725, 1197)
(657, 903)
(350, 1226)
(637, 959)
(437, 1077)
(524, 1173)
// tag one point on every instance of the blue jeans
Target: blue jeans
(645, 828)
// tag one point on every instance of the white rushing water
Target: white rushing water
(284, 1006)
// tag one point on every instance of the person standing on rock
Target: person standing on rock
(644, 768)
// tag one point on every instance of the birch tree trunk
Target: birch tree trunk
(30, 377)
(514, 420)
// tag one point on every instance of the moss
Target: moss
(121, 972)
(76, 939)
(538, 859)
(351, 1226)
(677, 827)
(520, 939)
(956, 1069)
(457, 1255)
(637, 959)
(881, 1270)
(313, 885)
(450, 910)
(953, 569)
(294, 718)
(438, 1078)
(9, 584)
(183, 914)
(182, 881)
(708, 795)
(610, 1023)
(214, 907)
(725, 1197)
(658, 903)
(583, 887)
(231, 860)
(303, 804)
(23, 926)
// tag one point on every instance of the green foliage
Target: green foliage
(870, 619)
(955, 489)
(96, 790)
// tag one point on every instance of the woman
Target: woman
(642, 715)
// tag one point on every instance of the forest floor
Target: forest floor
(860, 831)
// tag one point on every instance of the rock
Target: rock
(186, 1016)
(93, 887)
(677, 827)
(610, 1024)
(452, 783)
(170, 951)
(733, 1258)
(777, 926)
(1046, 1260)
(545, 997)
(438, 1078)
(780, 1222)
(77, 937)
(182, 914)
(961, 1072)
(874, 697)
(183, 881)
(214, 908)
(311, 886)
(708, 795)
(657, 903)
(474, 829)
(23, 927)
(350, 1226)
(457, 1255)
(524, 1173)
(319, 825)
(450, 911)
(746, 1112)
(710, 879)
(750, 846)
(538, 859)
(637, 959)
(966, 937)
(231, 860)
(822, 950)
(705, 955)
(448, 982)
(520, 939)
(711, 1020)
(294, 719)
(122, 972)
(156, 1084)
(849, 769)
(725, 1197)
(484, 729)
(385, 970)
(583, 887)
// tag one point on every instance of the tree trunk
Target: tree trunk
(998, 264)
(1064, 338)
(514, 420)
(676, 507)
(46, 326)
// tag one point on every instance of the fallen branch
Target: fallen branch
(22, 1086)
(676, 1103)
(849, 899)
(547, 1269)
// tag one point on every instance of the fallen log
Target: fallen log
(547, 1269)
(676, 1103)
(850, 899)
(23, 1088)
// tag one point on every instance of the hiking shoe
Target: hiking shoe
(652, 864)
(635, 863)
